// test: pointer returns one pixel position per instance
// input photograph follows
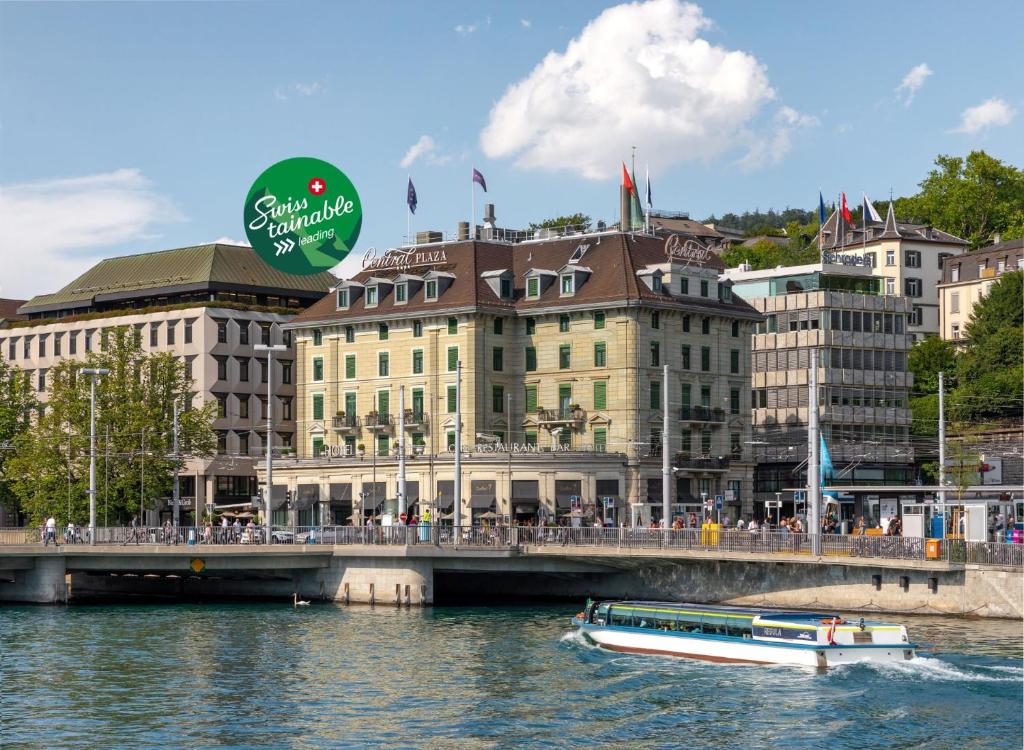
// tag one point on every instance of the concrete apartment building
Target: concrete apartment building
(908, 258)
(836, 316)
(209, 305)
(562, 343)
(967, 278)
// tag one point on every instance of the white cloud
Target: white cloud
(427, 148)
(66, 224)
(230, 241)
(465, 29)
(772, 147)
(990, 113)
(912, 82)
(525, 23)
(284, 93)
(640, 74)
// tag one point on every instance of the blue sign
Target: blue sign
(719, 500)
(799, 496)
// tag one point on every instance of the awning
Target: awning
(412, 492)
(526, 491)
(308, 495)
(561, 502)
(445, 494)
(278, 495)
(341, 493)
(525, 510)
(482, 493)
(481, 501)
(564, 489)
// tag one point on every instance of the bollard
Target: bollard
(408, 599)
(398, 595)
(344, 595)
(371, 595)
(423, 594)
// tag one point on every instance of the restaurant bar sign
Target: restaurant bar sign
(402, 258)
(679, 249)
(511, 448)
(846, 259)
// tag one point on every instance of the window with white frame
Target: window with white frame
(954, 302)
(890, 257)
(567, 283)
(401, 293)
(342, 299)
(371, 296)
(912, 287)
(430, 290)
(890, 285)
(913, 259)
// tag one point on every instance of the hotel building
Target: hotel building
(562, 343)
(210, 305)
(968, 278)
(907, 258)
(835, 316)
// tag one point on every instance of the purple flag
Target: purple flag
(479, 178)
(410, 197)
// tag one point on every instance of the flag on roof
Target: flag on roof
(649, 203)
(626, 181)
(479, 179)
(636, 212)
(869, 211)
(410, 197)
(846, 211)
(821, 209)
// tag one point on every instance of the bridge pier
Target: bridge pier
(38, 580)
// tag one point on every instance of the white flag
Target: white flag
(870, 211)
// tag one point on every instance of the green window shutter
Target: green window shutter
(531, 359)
(564, 356)
(318, 406)
(600, 439)
(383, 362)
(453, 358)
(600, 394)
(383, 402)
(318, 446)
(531, 438)
(705, 358)
(599, 320)
(453, 326)
(600, 355)
(686, 388)
(417, 362)
(531, 399)
(382, 445)
(498, 359)
(498, 399)
(449, 438)
(350, 366)
(532, 287)
(655, 394)
(451, 399)
(350, 404)
(318, 368)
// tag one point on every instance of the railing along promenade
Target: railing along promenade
(522, 538)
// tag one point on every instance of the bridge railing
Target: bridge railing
(614, 540)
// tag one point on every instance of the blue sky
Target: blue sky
(129, 127)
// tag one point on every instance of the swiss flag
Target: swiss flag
(626, 181)
(846, 211)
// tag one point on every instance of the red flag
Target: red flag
(626, 181)
(846, 211)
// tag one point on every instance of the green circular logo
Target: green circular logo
(303, 216)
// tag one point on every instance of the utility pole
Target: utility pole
(942, 436)
(666, 465)
(269, 442)
(813, 459)
(93, 373)
(176, 487)
(402, 502)
(457, 509)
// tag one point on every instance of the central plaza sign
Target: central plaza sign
(402, 258)
(686, 249)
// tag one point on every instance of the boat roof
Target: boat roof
(774, 614)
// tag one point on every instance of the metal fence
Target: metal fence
(538, 538)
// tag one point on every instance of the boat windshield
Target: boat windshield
(681, 621)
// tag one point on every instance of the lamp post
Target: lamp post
(270, 349)
(93, 373)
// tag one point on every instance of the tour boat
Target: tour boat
(739, 635)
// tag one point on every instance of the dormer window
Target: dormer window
(430, 290)
(568, 287)
(401, 293)
(506, 288)
(533, 288)
(371, 296)
(657, 284)
(342, 299)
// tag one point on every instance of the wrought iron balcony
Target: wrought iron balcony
(566, 416)
(377, 421)
(701, 414)
(698, 462)
(415, 418)
(344, 422)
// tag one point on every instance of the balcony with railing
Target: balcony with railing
(701, 462)
(569, 415)
(415, 419)
(701, 414)
(377, 421)
(344, 422)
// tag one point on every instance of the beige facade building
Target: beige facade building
(968, 278)
(562, 344)
(210, 305)
(907, 258)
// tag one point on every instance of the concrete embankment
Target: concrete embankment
(423, 574)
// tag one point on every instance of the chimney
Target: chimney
(489, 216)
(997, 238)
(625, 221)
(463, 232)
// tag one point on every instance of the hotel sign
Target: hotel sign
(686, 249)
(402, 258)
(845, 259)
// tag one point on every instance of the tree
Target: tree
(49, 472)
(576, 221)
(926, 360)
(972, 197)
(767, 254)
(17, 401)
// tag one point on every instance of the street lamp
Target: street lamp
(93, 372)
(270, 426)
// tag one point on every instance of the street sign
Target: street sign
(799, 496)
(719, 500)
(197, 564)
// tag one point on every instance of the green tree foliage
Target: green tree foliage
(768, 254)
(49, 473)
(753, 223)
(972, 197)
(926, 360)
(576, 221)
(17, 401)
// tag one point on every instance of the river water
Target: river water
(268, 675)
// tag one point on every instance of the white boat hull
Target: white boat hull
(729, 650)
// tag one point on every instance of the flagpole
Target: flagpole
(408, 215)
(647, 211)
(821, 224)
(472, 202)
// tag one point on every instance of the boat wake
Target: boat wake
(575, 638)
(937, 670)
